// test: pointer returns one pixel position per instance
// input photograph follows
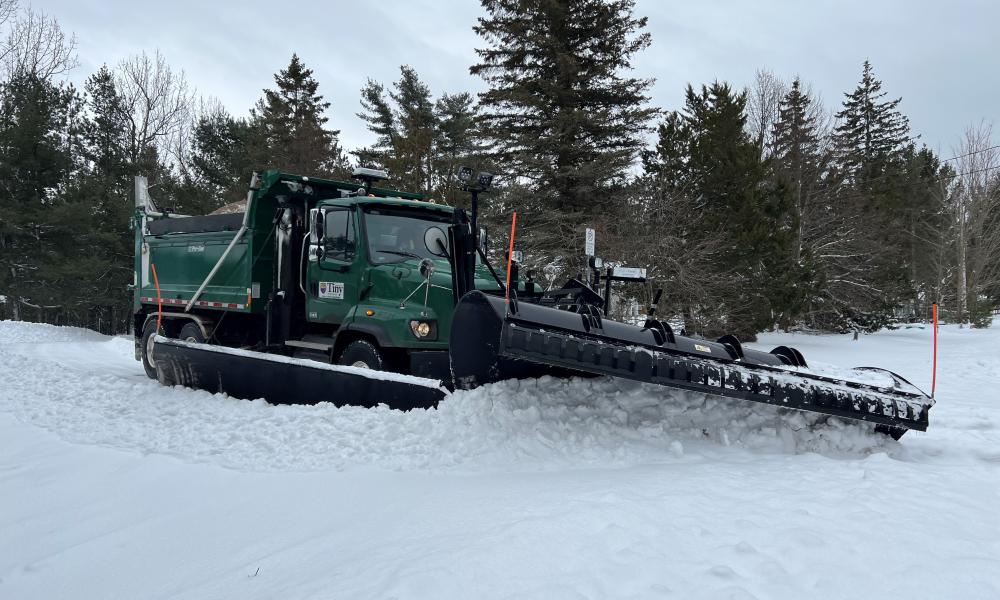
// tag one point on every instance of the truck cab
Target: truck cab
(378, 269)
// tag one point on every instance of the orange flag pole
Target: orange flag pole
(159, 300)
(934, 312)
(510, 254)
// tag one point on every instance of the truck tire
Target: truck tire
(146, 345)
(192, 333)
(363, 354)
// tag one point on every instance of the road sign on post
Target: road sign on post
(589, 243)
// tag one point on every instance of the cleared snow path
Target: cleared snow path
(112, 486)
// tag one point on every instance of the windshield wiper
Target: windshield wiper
(399, 252)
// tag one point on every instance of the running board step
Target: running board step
(319, 346)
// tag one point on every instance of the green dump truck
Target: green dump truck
(317, 268)
(322, 290)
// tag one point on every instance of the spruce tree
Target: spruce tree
(107, 187)
(705, 154)
(871, 143)
(872, 131)
(666, 162)
(561, 111)
(293, 125)
(798, 158)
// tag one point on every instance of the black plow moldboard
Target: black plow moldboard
(492, 340)
(283, 380)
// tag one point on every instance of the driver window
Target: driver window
(339, 241)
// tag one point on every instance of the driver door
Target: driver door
(335, 270)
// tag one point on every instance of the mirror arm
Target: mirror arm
(482, 255)
(444, 249)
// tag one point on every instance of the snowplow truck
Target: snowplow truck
(317, 290)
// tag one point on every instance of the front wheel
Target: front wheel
(363, 354)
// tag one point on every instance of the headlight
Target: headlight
(424, 330)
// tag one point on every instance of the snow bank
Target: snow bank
(21, 332)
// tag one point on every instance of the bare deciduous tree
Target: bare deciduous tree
(976, 206)
(7, 10)
(35, 44)
(156, 101)
(763, 101)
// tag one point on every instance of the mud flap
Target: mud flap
(283, 380)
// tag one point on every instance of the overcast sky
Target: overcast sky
(941, 57)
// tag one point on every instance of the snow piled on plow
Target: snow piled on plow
(544, 424)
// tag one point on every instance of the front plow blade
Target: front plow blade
(491, 343)
(283, 380)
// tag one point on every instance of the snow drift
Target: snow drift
(532, 423)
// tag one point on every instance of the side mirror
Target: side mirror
(484, 239)
(436, 241)
(426, 268)
(315, 226)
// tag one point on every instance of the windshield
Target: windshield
(397, 234)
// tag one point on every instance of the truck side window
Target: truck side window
(339, 242)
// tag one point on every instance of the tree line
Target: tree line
(752, 208)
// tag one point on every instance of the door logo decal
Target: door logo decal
(331, 289)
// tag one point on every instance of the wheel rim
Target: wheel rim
(149, 350)
(191, 338)
(360, 364)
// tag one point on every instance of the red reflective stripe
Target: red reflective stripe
(182, 302)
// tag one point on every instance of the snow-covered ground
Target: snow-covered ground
(114, 487)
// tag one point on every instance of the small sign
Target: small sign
(589, 243)
(628, 273)
(333, 290)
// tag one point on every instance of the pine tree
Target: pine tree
(418, 141)
(40, 125)
(225, 151)
(457, 143)
(405, 128)
(106, 135)
(293, 125)
(380, 120)
(560, 112)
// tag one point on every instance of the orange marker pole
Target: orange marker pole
(159, 300)
(934, 312)
(510, 254)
